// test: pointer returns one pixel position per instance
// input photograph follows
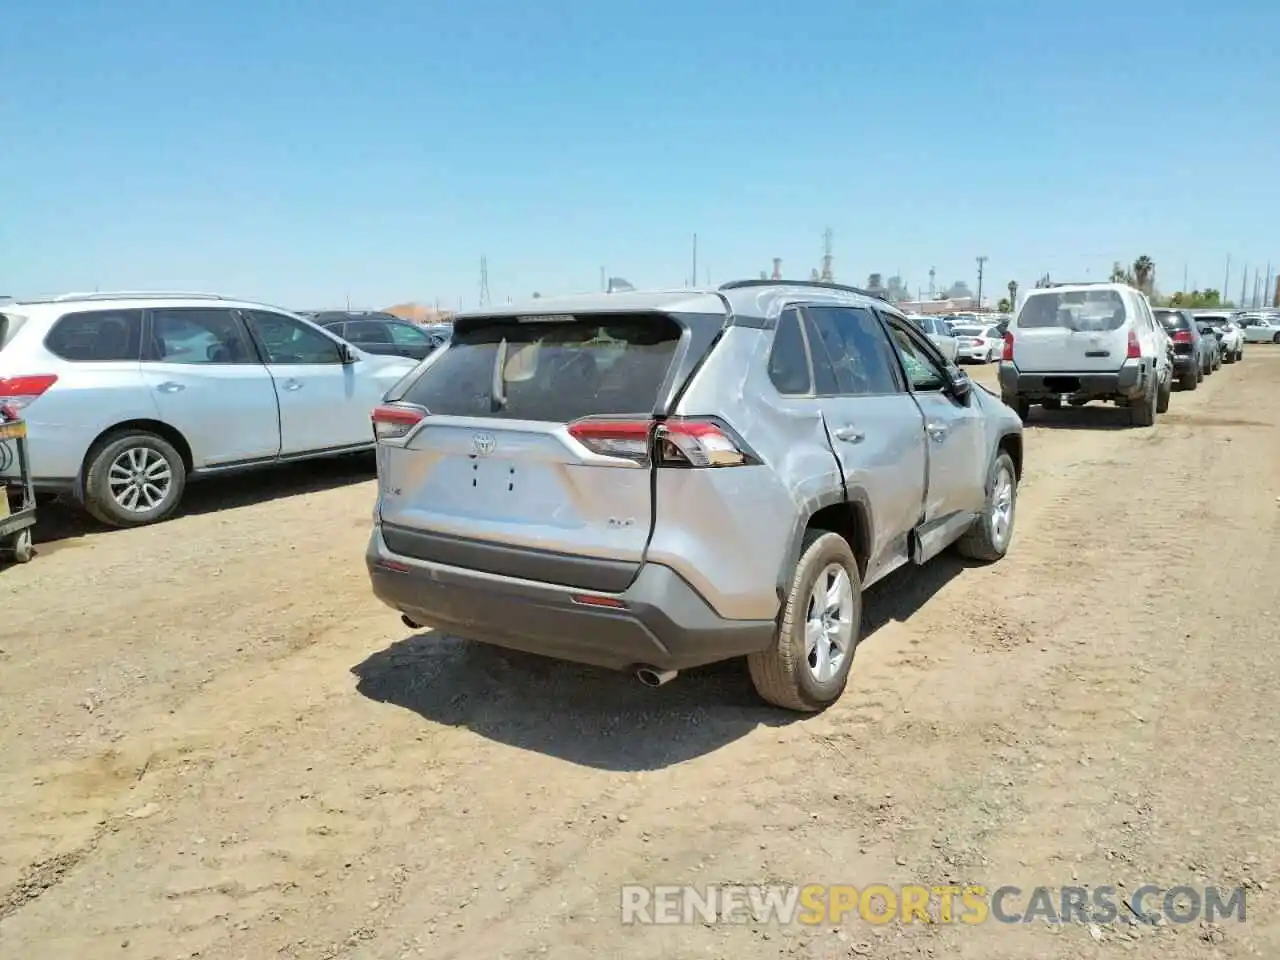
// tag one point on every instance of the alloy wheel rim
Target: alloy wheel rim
(140, 479)
(829, 626)
(1001, 508)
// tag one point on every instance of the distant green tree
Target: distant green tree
(1196, 299)
(1004, 306)
(1144, 273)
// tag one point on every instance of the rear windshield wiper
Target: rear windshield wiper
(499, 390)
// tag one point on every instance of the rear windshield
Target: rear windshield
(968, 331)
(8, 327)
(558, 372)
(1173, 320)
(1089, 310)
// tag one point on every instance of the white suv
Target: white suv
(1092, 341)
(126, 395)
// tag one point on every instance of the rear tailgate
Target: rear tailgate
(491, 479)
(1071, 331)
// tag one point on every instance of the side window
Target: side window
(923, 370)
(407, 335)
(290, 341)
(197, 335)
(789, 360)
(97, 336)
(860, 356)
(367, 331)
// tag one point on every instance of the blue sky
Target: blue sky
(304, 153)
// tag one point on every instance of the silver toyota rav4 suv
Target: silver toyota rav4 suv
(655, 481)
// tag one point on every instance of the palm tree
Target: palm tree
(1013, 293)
(1144, 273)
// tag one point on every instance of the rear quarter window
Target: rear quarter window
(97, 336)
(558, 371)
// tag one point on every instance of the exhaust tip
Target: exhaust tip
(653, 677)
(404, 618)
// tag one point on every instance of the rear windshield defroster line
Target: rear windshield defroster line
(556, 371)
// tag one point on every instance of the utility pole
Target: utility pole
(1266, 287)
(1184, 276)
(1244, 286)
(693, 277)
(981, 263)
(933, 271)
(1226, 283)
(484, 281)
(827, 243)
(603, 286)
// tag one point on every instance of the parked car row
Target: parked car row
(1077, 343)
(571, 476)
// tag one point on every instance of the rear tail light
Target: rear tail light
(1180, 336)
(628, 439)
(1135, 348)
(674, 443)
(1008, 346)
(19, 392)
(392, 422)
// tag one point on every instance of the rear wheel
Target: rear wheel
(988, 539)
(1164, 394)
(1189, 380)
(1142, 411)
(807, 666)
(133, 479)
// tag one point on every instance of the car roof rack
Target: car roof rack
(818, 284)
(137, 295)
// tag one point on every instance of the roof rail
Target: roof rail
(136, 295)
(820, 284)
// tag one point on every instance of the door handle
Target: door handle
(849, 434)
(170, 387)
(293, 385)
(938, 431)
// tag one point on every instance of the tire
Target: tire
(1276, 338)
(1199, 374)
(21, 546)
(1229, 357)
(1240, 354)
(1142, 413)
(1053, 403)
(1163, 395)
(142, 448)
(987, 540)
(783, 674)
(1189, 380)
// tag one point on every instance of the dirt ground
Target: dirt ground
(216, 744)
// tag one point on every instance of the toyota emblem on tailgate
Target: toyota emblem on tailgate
(483, 444)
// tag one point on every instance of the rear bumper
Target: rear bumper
(1127, 383)
(1182, 362)
(664, 622)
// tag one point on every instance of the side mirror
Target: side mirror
(347, 354)
(958, 384)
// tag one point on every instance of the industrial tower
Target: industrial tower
(826, 276)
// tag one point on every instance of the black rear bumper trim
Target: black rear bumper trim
(525, 563)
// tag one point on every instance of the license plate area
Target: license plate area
(493, 477)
